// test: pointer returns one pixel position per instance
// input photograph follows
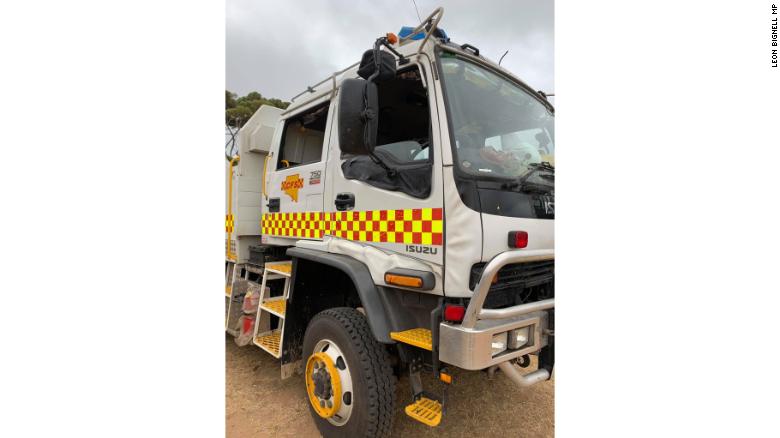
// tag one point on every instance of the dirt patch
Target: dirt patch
(260, 404)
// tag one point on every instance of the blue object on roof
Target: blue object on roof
(407, 30)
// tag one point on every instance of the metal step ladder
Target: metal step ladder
(265, 337)
(427, 408)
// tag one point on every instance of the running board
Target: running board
(417, 337)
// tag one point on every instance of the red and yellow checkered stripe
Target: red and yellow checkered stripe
(421, 226)
(229, 223)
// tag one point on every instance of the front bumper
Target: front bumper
(468, 345)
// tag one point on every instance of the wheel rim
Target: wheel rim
(329, 383)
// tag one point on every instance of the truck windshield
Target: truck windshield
(500, 130)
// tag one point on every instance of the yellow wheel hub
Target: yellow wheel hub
(323, 385)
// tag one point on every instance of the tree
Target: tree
(237, 116)
(278, 103)
(254, 95)
(239, 109)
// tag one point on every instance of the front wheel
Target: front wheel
(349, 382)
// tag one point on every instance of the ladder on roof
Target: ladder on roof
(270, 339)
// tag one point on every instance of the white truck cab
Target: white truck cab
(401, 208)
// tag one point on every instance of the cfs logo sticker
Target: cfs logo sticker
(291, 185)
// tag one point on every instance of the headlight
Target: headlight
(498, 343)
(518, 338)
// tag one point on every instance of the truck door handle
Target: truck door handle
(273, 205)
(345, 201)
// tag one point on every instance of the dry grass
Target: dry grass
(260, 404)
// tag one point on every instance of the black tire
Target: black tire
(369, 366)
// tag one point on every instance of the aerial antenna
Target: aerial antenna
(502, 57)
(415, 10)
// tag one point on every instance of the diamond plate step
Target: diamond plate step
(270, 342)
(277, 307)
(418, 337)
(281, 268)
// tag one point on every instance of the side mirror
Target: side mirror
(358, 116)
(377, 66)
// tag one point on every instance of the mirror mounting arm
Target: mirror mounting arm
(402, 60)
(382, 41)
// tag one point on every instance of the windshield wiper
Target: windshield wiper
(522, 183)
(538, 167)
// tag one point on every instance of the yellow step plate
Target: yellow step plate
(284, 268)
(275, 306)
(270, 342)
(419, 337)
(425, 411)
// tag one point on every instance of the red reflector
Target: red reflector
(518, 239)
(454, 312)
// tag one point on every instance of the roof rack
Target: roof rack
(313, 88)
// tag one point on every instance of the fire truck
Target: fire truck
(396, 219)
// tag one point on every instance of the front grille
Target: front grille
(518, 283)
(527, 274)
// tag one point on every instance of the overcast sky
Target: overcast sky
(279, 47)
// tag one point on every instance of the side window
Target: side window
(402, 159)
(404, 118)
(304, 135)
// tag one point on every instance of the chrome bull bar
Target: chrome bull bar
(475, 312)
(468, 345)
